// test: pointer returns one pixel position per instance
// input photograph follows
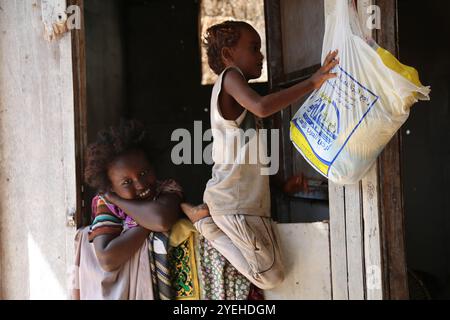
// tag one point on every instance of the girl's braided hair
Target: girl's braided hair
(219, 36)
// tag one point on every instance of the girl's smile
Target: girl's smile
(145, 194)
(132, 177)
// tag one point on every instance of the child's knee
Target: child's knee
(270, 279)
(207, 228)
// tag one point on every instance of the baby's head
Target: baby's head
(234, 43)
(117, 162)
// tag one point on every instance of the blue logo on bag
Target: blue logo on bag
(319, 119)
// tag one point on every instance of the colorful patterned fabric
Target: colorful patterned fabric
(218, 278)
(173, 264)
(160, 266)
(104, 221)
(184, 270)
(107, 218)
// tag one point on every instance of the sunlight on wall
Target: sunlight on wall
(43, 283)
(216, 11)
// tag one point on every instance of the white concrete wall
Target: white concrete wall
(37, 157)
(306, 255)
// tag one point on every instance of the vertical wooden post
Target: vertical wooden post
(390, 180)
(355, 234)
(372, 236)
(79, 80)
(370, 194)
(338, 243)
(355, 241)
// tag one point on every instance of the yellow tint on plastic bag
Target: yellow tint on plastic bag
(392, 63)
(303, 146)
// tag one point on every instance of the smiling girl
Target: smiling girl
(131, 198)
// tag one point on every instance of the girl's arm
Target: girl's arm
(158, 215)
(263, 107)
(113, 251)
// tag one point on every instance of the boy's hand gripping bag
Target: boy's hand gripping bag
(343, 127)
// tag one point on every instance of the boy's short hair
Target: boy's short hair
(219, 36)
(128, 136)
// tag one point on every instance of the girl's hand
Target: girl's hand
(323, 74)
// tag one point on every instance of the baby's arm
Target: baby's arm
(236, 86)
(112, 251)
(158, 215)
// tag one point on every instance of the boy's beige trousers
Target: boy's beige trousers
(249, 243)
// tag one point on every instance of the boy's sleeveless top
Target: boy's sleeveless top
(237, 185)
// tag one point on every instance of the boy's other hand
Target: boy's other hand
(323, 74)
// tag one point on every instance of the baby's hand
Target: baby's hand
(295, 184)
(323, 74)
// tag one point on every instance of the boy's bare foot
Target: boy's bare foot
(195, 213)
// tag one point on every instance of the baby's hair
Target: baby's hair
(219, 36)
(128, 137)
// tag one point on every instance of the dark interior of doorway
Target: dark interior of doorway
(423, 35)
(143, 62)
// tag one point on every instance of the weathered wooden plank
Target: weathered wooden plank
(275, 74)
(372, 243)
(393, 226)
(391, 205)
(274, 42)
(338, 243)
(54, 18)
(372, 236)
(80, 110)
(354, 237)
(305, 249)
(302, 25)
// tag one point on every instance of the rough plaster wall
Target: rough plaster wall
(37, 160)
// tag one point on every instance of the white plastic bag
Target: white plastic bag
(343, 127)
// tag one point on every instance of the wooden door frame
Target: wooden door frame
(275, 74)
(80, 111)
